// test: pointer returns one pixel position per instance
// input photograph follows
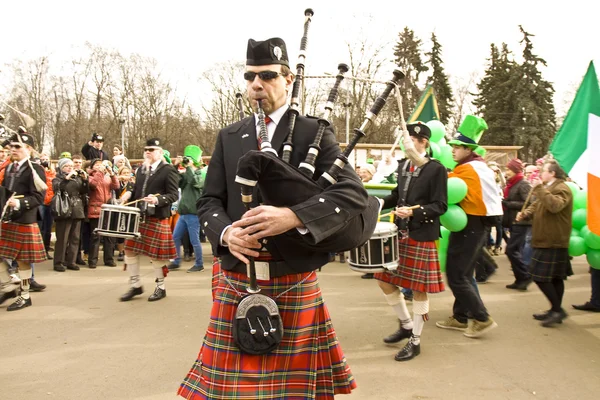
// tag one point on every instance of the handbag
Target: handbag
(60, 205)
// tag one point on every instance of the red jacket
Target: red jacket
(50, 175)
(100, 191)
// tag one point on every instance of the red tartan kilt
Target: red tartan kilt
(308, 364)
(418, 267)
(156, 240)
(216, 272)
(22, 242)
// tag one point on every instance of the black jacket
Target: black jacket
(221, 203)
(514, 203)
(164, 181)
(430, 191)
(23, 185)
(90, 152)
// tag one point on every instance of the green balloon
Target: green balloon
(575, 232)
(435, 150)
(457, 190)
(445, 235)
(481, 151)
(593, 258)
(592, 241)
(577, 246)
(442, 142)
(580, 199)
(442, 255)
(574, 188)
(579, 218)
(446, 157)
(584, 232)
(437, 130)
(454, 219)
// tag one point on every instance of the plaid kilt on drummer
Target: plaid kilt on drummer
(308, 364)
(548, 264)
(156, 240)
(418, 267)
(22, 242)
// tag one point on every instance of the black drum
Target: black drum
(379, 253)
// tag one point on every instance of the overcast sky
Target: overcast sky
(187, 37)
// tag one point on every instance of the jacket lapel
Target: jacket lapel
(248, 136)
(280, 133)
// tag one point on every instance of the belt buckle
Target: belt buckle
(262, 270)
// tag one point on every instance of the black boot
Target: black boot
(398, 335)
(134, 291)
(409, 352)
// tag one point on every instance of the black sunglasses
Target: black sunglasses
(150, 149)
(263, 75)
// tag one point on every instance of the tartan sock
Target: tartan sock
(396, 300)
(133, 266)
(159, 274)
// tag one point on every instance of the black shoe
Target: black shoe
(36, 287)
(187, 258)
(409, 352)
(73, 267)
(134, 291)
(158, 294)
(92, 266)
(173, 266)
(196, 268)
(8, 295)
(480, 279)
(80, 261)
(49, 257)
(554, 318)
(399, 335)
(19, 304)
(368, 276)
(586, 307)
(541, 316)
(522, 285)
(110, 264)
(59, 268)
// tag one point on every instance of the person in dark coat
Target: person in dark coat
(68, 230)
(309, 360)
(157, 188)
(515, 193)
(93, 148)
(552, 213)
(418, 264)
(20, 239)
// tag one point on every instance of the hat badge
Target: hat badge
(157, 143)
(277, 52)
(24, 138)
(417, 129)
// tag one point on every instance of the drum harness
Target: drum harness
(408, 175)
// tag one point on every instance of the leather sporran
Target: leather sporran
(257, 326)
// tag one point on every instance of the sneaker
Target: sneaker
(452, 323)
(478, 328)
(196, 268)
(173, 266)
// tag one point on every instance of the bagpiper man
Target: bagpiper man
(20, 237)
(156, 188)
(424, 186)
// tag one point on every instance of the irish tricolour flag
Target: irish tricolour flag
(576, 145)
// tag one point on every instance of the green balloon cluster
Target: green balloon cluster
(439, 148)
(582, 240)
(443, 248)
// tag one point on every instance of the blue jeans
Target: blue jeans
(527, 251)
(190, 223)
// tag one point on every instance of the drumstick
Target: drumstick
(527, 200)
(408, 208)
(135, 201)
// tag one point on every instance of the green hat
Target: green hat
(167, 156)
(370, 161)
(469, 132)
(65, 154)
(194, 152)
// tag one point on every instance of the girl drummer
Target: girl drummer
(420, 198)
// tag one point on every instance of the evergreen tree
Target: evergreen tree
(407, 53)
(439, 80)
(535, 118)
(495, 100)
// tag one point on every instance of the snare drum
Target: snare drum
(119, 221)
(379, 253)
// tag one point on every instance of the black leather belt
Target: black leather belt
(277, 269)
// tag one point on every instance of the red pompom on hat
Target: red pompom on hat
(515, 165)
